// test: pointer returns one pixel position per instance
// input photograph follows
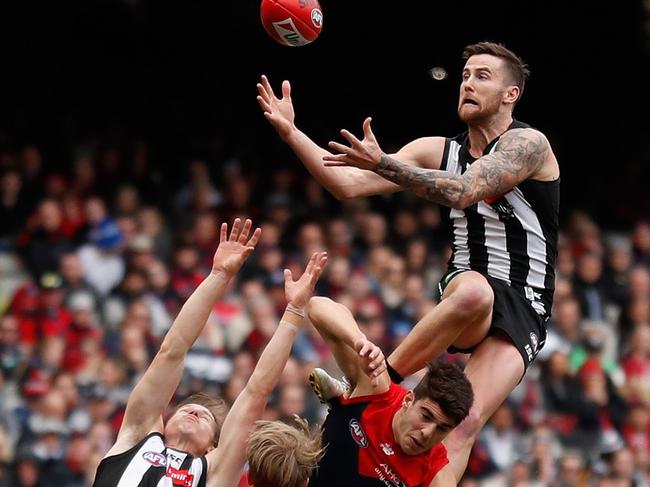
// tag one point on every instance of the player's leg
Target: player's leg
(332, 320)
(494, 368)
(462, 319)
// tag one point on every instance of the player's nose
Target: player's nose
(429, 430)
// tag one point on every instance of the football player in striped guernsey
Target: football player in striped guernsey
(192, 449)
(498, 183)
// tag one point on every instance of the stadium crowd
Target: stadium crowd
(97, 258)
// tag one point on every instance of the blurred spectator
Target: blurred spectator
(636, 365)
(74, 280)
(14, 206)
(589, 287)
(641, 243)
(44, 241)
(101, 258)
(150, 223)
(503, 442)
(199, 183)
(126, 201)
(564, 331)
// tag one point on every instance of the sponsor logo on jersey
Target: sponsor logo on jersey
(180, 478)
(387, 449)
(357, 433)
(387, 476)
(155, 458)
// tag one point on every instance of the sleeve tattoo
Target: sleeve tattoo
(516, 156)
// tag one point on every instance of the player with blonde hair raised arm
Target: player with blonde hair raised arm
(150, 453)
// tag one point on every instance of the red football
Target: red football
(292, 22)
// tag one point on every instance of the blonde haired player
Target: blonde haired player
(182, 452)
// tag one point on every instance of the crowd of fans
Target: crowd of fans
(97, 259)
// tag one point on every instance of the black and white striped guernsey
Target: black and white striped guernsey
(512, 237)
(151, 464)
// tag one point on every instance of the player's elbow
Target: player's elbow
(171, 351)
(343, 193)
(462, 201)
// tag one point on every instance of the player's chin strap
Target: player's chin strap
(394, 375)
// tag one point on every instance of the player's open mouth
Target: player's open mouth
(467, 101)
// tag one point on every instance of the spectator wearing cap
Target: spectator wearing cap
(101, 258)
(54, 318)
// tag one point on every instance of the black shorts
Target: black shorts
(512, 315)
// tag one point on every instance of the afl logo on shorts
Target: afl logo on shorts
(357, 433)
(154, 458)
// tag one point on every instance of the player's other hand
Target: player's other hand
(233, 250)
(371, 359)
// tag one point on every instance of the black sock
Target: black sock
(394, 375)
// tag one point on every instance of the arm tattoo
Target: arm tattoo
(439, 186)
(517, 155)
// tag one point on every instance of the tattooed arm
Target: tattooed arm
(519, 154)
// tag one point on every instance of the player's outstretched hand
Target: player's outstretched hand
(233, 250)
(278, 111)
(298, 292)
(364, 154)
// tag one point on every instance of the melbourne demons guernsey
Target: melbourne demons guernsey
(361, 450)
(512, 237)
(151, 464)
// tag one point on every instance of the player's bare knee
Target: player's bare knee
(470, 427)
(473, 298)
(318, 306)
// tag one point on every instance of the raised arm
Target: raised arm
(349, 182)
(360, 360)
(519, 154)
(225, 464)
(155, 389)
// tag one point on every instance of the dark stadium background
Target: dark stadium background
(181, 76)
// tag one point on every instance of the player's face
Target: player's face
(192, 425)
(421, 425)
(482, 89)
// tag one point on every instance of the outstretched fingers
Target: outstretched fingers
(245, 231)
(350, 137)
(254, 238)
(224, 232)
(319, 265)
(235, 229)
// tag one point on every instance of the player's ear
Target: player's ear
(512, 94)
(408, 399)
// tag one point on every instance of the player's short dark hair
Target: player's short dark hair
(216, 406)
(447, 385)
(516, 66)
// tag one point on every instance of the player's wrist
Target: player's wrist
(293, 315)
